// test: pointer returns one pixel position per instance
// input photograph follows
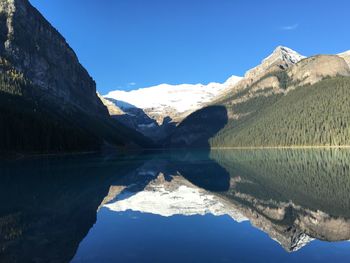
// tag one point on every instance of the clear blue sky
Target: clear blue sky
(127, 44)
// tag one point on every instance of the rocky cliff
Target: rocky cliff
(48, 101)
(36, 49)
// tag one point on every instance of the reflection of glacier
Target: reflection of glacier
(174, 195)
(183, 185)
(177, 197)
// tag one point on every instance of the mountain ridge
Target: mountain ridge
(261, 88)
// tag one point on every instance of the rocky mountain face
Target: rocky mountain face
(279, 74)
(57, 108)
(280, 59)
(155, 111)
(33, 47)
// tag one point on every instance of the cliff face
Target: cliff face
(48, 101)
(32, 46)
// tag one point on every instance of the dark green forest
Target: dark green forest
(315, 115)
(32, 122)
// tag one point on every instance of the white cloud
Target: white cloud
(290, 27)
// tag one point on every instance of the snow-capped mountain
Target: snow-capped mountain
(281, 58)
(174, 101)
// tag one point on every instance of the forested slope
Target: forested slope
(310, 115)
(32, 121)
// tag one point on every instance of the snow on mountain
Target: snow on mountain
(281, 57)
(286, 53)
(171, 100)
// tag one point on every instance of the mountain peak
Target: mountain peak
(286, 54)
(281, 57)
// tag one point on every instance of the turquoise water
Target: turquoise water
(219, 206)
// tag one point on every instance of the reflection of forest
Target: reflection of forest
(315, 179)
(293, 195)
(48, 206)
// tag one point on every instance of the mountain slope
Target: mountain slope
(48, 100)
(268, 97)
(312, 115)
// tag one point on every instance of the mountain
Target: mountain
(288, 100)
(48, 101)
(155, 111)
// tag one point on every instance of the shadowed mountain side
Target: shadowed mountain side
(49, 205)
(137, 119)
(33, 125)
(197, 129)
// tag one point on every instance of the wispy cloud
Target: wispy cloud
(290, 27)
(126, 86)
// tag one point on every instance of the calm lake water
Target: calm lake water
(218, 206)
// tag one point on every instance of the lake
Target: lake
(178, 206)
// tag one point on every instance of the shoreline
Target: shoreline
(282, 147)
(15, 156)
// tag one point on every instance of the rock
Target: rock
(314, 69)
(36, 49)
(346, 56)
(281, 58)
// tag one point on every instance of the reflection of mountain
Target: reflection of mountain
(294, 196)
(48, 206)
(287, 194)
(176, 196)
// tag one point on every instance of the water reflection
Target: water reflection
(47, 206)
(193, 205)
(293, 195)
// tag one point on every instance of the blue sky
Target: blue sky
(128, 44)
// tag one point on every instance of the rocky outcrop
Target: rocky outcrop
(281, 58)
(36, 49)
(346, 56)
(112, 108)
(311, 70)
